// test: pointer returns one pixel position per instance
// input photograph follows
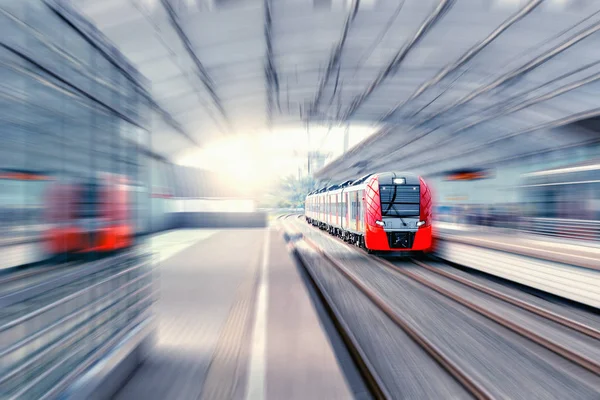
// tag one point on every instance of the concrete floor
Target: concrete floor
(235, 320)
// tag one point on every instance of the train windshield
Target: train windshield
(400, 200)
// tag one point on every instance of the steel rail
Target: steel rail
(559, 319)
(578, 359)
(473, 387)
(362, 362)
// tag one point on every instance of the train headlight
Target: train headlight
(399, 181)
(380, 223)
(420, 223)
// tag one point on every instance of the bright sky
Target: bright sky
(258, 159)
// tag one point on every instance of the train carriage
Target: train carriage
(388, 212)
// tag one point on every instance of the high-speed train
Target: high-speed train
(383, 212)
(90, 216)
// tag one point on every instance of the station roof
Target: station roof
(450, 83)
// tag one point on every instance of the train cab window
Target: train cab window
(400, 200)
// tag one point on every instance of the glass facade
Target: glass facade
(72, 113)
(72, 187)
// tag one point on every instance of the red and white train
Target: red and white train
(89, 217)
(387, 212)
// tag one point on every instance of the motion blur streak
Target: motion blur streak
(154, 152)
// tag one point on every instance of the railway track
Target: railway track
(579, 359)
(372, 380)
(532, 308)
(471, 385)
(475, 388)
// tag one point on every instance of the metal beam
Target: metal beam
(73, 19)
(193, 82)
(346, 138)
(502, 106)
(327, 170)
(271, 77)
(336, 55)
(394, 64)
(505, 104)
(486, 145)
(466, 57)
(518, 72)
(504, 109)
(202, 73)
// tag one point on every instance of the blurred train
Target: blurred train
(570, 192)
(74, 217)
(383, 212)
(88, 217)
(563, 202)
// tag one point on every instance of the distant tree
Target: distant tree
(284, 204)
(290, 192)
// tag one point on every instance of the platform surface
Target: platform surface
(564, 268)
(563, 250)
(210, 329)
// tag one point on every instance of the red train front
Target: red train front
(389, 212)
(88, 217)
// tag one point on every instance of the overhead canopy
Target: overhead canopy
(451, 83)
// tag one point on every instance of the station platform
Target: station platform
(564, 250)
(563, 267)
(236, 321)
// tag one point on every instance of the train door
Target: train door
(361, 213)
(317, 207)
(328, 208)
(337, 210)
(322, 209)
(331, 209)
(342, 209)
(355, 212)
(348, 210)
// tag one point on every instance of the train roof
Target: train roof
(410, 177)
(361, 180)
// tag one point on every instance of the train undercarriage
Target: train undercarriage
(346, 236)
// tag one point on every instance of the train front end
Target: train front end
(398, 213)
(88, 217)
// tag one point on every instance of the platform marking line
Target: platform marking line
(257, 368)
